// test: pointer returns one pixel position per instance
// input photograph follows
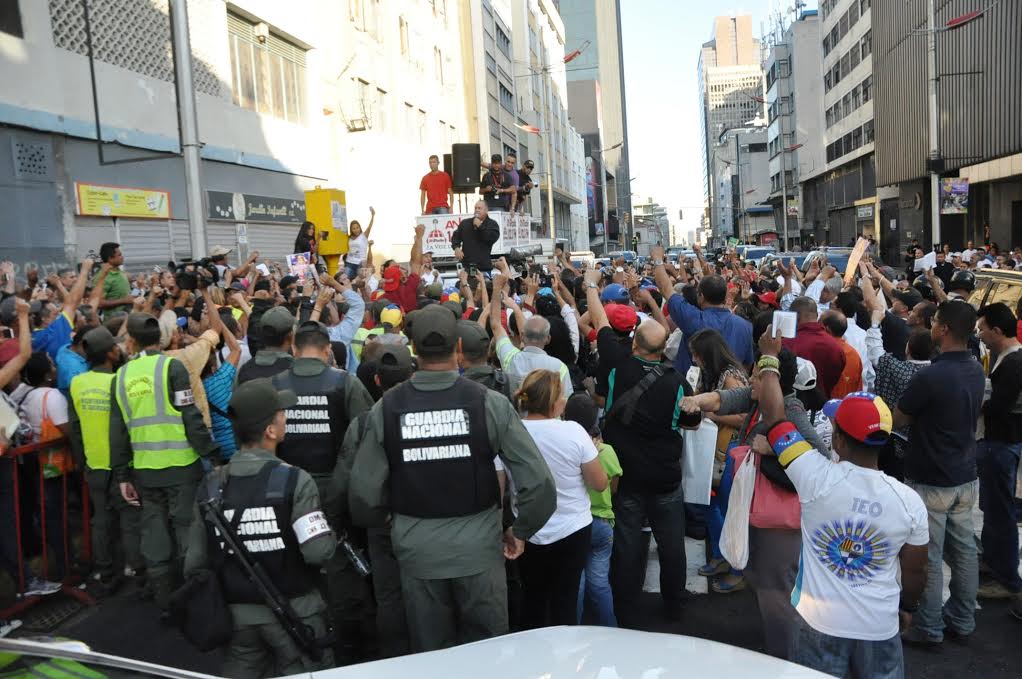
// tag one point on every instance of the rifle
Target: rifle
(277, 602)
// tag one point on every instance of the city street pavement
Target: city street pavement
(124, 625)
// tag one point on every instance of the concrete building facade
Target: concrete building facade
(596, 98)
(730, 81)
(286, 101)
(795, 118)
(841, 199)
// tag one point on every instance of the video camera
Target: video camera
(192, 275)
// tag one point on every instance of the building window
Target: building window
(867, 84)
(491, 64)
(364, 15)
(438, 65)
(503, 43)
(10, 19)
(440, 10)
(402, 25)
(494, 127)
(382, 111)
(863, 6)
(269, 76)
(409, 121)
(867, 132)
(421, 122)
(826, 45)
(866, 44)
(507, 100)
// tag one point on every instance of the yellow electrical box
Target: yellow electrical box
(327, 209)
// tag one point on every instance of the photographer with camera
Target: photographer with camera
(474, 238)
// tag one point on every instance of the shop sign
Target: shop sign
(864, 212)
(241, 207)
(121, 201)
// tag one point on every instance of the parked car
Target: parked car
(997, 285)
(548, 652)
(836, 257)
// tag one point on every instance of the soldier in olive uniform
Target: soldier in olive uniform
(426, 464)
(157, 436)
(287, 533)
(473, 352)
(328, 399)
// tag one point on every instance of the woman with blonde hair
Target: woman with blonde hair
(554, 557)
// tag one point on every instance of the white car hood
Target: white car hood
(594, 652)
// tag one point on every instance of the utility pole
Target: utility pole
(931, 93)
(190, 145)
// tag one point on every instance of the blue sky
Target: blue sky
(661, 41)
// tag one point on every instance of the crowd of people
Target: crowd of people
(494, 447)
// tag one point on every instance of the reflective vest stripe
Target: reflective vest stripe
(157, 432)
(90, 393)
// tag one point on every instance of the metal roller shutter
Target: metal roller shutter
(273, 241)
(217, 233)
(144, 243)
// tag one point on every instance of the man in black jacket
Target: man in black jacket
(474, 238)
(998, 453)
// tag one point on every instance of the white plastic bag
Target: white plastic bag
(697, 462)
(734, 538)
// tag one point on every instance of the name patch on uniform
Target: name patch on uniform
(260, 524)
(434, 424)
(305, 418)
(309, 526)
(436, 453)
(183, 398)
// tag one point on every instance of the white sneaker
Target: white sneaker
(8, 626)
(39, 587)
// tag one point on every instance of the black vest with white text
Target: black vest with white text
(259, 508)
(441, 461)
(316, 425)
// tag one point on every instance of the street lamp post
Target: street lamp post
(931, 95)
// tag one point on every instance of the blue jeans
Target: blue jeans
(351, 270)
(952, 539)
(595, 588)
(717, 509)
(998, 463)
(666, 515)
(441, 211)
(847, 657)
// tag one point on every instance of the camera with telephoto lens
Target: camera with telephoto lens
(190, 275)
(519, 258)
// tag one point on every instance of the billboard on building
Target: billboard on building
(954, 196)
(121, 201)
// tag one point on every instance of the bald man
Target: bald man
(517, 363)
(850, 379)
(813, 343)
(644, 426)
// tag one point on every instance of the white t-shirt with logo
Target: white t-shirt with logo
(566, 447)
(854, 523)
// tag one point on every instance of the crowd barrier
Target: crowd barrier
(71, 579)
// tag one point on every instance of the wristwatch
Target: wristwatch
(658, 262)
(590, 284)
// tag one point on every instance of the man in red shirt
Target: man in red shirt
(850, 380)
(400, 289)
(813, 343)
(435, 190)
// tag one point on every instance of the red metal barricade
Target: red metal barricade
(70, 582)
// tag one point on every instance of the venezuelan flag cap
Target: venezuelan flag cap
(863, 416)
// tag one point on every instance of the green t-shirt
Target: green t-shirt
(600, 500)
(116, 286)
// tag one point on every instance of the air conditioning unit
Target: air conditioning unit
(261, 32)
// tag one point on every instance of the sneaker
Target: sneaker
(8, 626)
(994, 590)
(714, 567)
(39, 587)
(916, 637)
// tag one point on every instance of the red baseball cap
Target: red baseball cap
(392, 278)
(622, 317)
(863, 416)
(377, 294)
(768, 298)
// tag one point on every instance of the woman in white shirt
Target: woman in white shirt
(554, 557)
(358, 245)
